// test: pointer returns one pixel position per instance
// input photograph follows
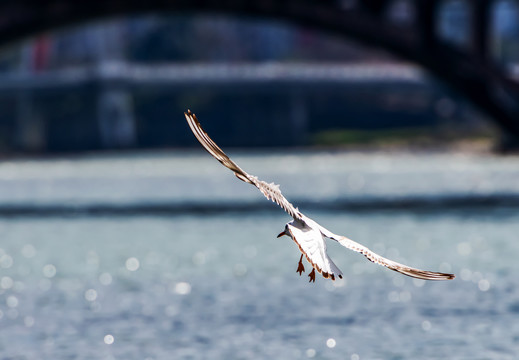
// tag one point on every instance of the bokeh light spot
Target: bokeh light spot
(28, 321)
(49, 271)
(109, 339)
(182, 288)
(331, 343)
(310, 353)
(12, 301)
(484, 285)
(105, 279)
(6, 282)
(6, 261)
(426, 325)
(90, 295)
(240, 270)
(132, 264)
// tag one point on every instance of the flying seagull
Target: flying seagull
(307, 234)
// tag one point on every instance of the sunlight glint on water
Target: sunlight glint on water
(224, 287)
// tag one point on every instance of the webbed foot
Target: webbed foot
(300, 266)
(312, 276)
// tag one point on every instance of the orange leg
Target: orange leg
(312, 276)
(300, 266)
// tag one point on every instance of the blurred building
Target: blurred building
(39, 113)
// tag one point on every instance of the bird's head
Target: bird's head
(285, 232)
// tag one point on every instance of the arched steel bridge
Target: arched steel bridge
(468, 68)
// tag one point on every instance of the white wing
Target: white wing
(312, 245)
(271, 191)
(377, 259)
(308, 236)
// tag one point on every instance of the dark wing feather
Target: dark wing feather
(271, 191)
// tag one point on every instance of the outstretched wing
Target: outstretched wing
(377, 259)
(271, 191)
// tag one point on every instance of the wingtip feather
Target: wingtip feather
(426, 275)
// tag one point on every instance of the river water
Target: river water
(168, 256)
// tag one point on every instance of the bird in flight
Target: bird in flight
(307, 234)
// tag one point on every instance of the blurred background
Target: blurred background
(122, 83)
(122, 239)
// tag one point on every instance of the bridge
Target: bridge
(250, 77)
(413, 33)
(119, 83)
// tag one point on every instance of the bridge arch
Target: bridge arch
(470, 71)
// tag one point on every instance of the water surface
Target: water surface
(222, 286)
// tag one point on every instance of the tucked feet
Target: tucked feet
(300, 266)
(312, 276)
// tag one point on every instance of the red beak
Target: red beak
(281, 234)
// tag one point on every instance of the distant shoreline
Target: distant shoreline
(484, 145)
